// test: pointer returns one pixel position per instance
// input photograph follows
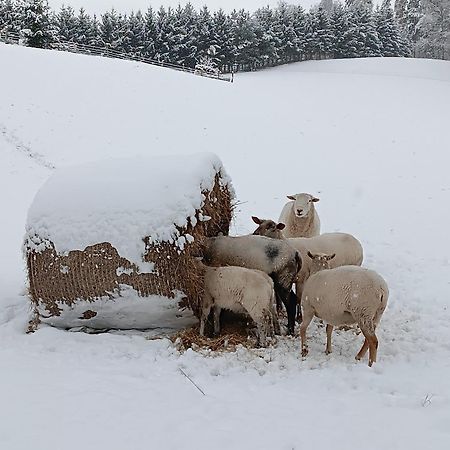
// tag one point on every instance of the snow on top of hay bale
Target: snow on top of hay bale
(121, 201)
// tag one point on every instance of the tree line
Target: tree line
(238, 40)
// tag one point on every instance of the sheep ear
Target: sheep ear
(291, 197)
(331, 256)
(257, 220)
(315, 199)
(310, 255)
(281, 226)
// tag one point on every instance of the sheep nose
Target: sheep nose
(299, 211)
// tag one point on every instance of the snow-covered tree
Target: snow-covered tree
(111, 29)
(434, 29)
(393, 43)
(36, 27)
(66, 24)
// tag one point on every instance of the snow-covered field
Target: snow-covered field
(100, 6)
(369, 137)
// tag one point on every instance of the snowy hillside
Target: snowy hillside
(369, 137)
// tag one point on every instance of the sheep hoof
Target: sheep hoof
(327, 352)
(304, 352)
(370, 363)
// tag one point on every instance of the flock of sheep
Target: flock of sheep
(253, 273)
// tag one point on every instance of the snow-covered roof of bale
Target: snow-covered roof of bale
(121, 201)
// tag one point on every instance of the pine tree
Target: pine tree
(184, 45)
(150, 35)
(284, 32)
(87, 29)
(134, 34)
(8, 16)
(222, 40)
(435, 29)
(265, 40)
(391, 40)
(66, 24)
(342, 31)
(36, 26)
(299, 24)
(244, 42)
(366, 35)
(111, 31)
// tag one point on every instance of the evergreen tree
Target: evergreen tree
(150, 35)
(244, 40)
(36, 26)
(9, 16)
(367, 41)
(222, 40)
(284, 32)
(341, 26)
(265, 40)
(299, 24)
(111, 31)
(87, 29)
(134, 34)
(66, 24)
(434, 29)
(391, 40)
(184, 46)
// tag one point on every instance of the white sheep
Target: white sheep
(242, 291)
(300, 216)
(347, 248)
(274, 257)
(344, 296)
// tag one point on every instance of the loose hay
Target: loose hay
(231, 336)
(58, 282)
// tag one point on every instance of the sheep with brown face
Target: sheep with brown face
(300, 216)
(243, 291)
(344, 296)
(347, 248)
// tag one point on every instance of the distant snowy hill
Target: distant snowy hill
(370, 137)
(100, 6)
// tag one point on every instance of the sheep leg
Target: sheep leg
(329, 331)
(298, 292)
(363, 350)
(275, 322)
(308, 316)
(373, 347)
(205, 314)
(261, 330)
(372, 343)
(217, 311)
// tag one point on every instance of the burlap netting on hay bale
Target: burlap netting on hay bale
(113, 244)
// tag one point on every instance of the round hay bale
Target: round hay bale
(113, 244)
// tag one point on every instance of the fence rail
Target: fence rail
(9, 37)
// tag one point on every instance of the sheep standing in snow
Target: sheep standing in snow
(276, 258)
(347, 248)
(242, 291)
(344, 296)
(300, 216)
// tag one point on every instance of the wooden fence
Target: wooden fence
(74, 47)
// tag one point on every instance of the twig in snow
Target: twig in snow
(190, 379)
(427, 400)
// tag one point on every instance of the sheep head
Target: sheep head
(320, 261)
(268, 228)
(302, 204)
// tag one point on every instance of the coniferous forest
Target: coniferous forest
(234, 41)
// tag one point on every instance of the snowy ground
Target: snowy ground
(370, 137)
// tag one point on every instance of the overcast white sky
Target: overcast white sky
(100, 6)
